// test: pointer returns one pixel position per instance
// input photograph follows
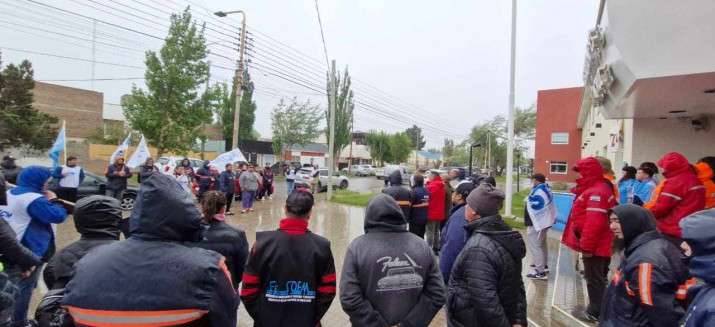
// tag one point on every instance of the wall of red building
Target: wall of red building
(557, 111)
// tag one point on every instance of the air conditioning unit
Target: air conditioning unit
(603, 79)
(596, 40)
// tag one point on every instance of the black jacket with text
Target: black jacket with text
(290, 278)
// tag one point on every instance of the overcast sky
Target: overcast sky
(444, 64)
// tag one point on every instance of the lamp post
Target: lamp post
(239, 73)
(472, 146)
(518, 169)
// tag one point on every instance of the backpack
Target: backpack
(50, 313)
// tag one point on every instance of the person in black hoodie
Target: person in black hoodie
(223, 238)
(96, 219)
(390, 276)
(644, 290)
(419, 211)
(486, 287)
(700, 246)
(188, 168)
(205, 178)
(227, 184)
(10, 169)
(398, 192)
(153, 275)
(290, 278)
(146, 170)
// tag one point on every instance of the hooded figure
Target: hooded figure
(704, 167)
(399, 193)
(117, 175)
(205, 178)
(31, 213)
(153, 274)
(679, 195)
(698, 233)
(10, 169)
(96, 219)
(188, 168)
(390, 276)
(146, 170)
(649, 287)
(486, 286)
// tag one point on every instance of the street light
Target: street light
(472, 146)
(239, 73)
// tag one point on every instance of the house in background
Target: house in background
(82, 110)
(357, 153)
(308, 154)
(424, 159)
(558, 138)
(257, 152)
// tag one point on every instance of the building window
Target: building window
(559, 138)
(559, 167)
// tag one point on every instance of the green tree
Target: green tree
(416, 137)
(296, 123)
(169, 112)
(20, 123)
(400, 148)
(343, 113)
(226, 108)
(448, 151)
(525, 122)
(388, 148)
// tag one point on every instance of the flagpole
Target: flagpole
(64, 141)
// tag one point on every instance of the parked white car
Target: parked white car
(302, 179)
(359, 170)
(369, 168)
(167, 165)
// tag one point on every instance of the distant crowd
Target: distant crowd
(436, 244)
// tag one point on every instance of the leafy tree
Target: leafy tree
(448, 151)
(343, 114)
(379, 144)
(296, 123)
(169, 112)
(416, 137)
(400, 148)
(226, 109)
(20, 123)
(386, 148)
(525, 122)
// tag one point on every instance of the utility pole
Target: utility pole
(352, 140)
(203, 140)
(510, 120)
(331, 138)
(94, 48)
(239, 73)
(417, 146)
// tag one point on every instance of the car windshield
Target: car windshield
(366, 166)
(305, 171)
(163, 161)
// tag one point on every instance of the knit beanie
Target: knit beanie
(486, 200)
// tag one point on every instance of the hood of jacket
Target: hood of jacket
(590, 170)
(384, 215)
(635, 220)
(705, 173)
(188, 162)
(396, 178)
(164, 211)
(674, 164)
(146, 162)
(34, 178)
(498, 230)
(8, 164)
(698, 233)
(98, 216)
(206, 164)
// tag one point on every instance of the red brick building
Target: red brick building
(81, 109)
(558, 140)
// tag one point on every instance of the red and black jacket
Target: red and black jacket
(290, 278)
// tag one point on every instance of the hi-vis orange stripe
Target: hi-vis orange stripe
(403, 203)
(645, 271)
(105, 318)
(421, 205)
(682, 292)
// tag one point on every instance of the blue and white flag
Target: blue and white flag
(58, 147)
(139, 156)
(541, 207)
(230, 157)
(122, 149)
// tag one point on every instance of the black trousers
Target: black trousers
(595, 270)
(418, 229)
(67, 194)
(203, 189)
(124, 227)
(229, 200)
(266, 191)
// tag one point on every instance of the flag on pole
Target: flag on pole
(140, 155)
(121, 149)
(227, 158)
(58, 147)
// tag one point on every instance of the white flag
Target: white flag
(140, 155)
(121, 150)
(227, 158)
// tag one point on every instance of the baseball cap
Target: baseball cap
(300, 202)
(539, 177)
(8, 157)
(464, 188)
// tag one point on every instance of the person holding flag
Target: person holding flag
(68, 177)
(539, 216)
(142, 158)
(117, 175)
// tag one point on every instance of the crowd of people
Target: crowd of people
(437, 244)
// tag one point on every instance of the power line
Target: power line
(91, 79)
(322, 35)
(70, 58)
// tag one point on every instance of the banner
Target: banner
(140, 155)
(227, 158)
(121, 149)
(58, 147)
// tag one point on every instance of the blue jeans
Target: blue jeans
(247, 198)
(25, 286)
(290, 185)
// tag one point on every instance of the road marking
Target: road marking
(532, 323)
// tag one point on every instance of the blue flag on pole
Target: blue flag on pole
(58, 147)
(121, 149)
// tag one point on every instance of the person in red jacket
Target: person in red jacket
(681, 194)
(587, 231)
(435, 212)
(705, 170)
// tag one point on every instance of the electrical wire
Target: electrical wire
(70, 58)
